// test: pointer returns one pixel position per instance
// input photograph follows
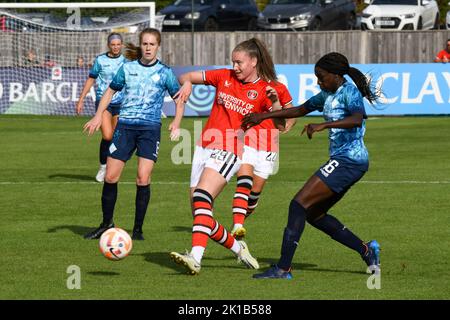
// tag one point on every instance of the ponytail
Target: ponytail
(338, 64)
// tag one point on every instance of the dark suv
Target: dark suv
(210, 15)
(301, 15)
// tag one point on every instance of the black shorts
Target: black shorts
(125, 141)
(114, 109)
(339, 176)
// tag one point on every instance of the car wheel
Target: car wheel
(419, 24)
(252, 25)
(436, 23)
(211, 25)
(315, 25)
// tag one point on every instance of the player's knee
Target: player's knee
(110, 178)
(142, 180)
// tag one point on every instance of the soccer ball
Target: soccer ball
(115, 244)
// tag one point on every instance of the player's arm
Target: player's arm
(93, 74)
(173, 86)
(95, 123)
(253, 119)
(355, 120)
(272, 94)
(187, 80)
(87, 87)
(290, 123)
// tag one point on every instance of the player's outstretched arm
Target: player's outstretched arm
(96, 122)
(355, 120)
(253, 119)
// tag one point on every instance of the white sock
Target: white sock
(103, 166)
(236, 248)
(197, 253)
(237, 225)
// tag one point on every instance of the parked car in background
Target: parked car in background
(210, 15)
(300, 15)
(400, 15)
(447, 20)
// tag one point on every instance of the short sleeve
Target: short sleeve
(354, 100)
(172, 84)
(213, 77)
(283, 95)
(118, 82)
(316, 102)
(95, 70)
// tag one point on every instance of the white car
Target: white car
(400, 15)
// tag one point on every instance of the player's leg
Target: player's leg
(208, 178)
(107, 132)
(209, 186)
(253, 199)
(314, 191)
(318, 216)
(114, 169)
(241, 198)
(147, 144)
(143, 193)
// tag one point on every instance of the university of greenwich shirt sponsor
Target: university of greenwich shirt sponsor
(103, 72)
(144, 88)
(345, 144)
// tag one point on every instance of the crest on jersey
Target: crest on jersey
(252, 94)
(227, 83)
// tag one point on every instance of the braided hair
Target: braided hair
(337, 63)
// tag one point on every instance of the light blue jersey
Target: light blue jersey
(103, 71)
(345, 144)
(144, 88)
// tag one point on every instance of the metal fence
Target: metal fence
(215, 48)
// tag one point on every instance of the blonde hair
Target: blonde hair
(133, 52)
(255, 48)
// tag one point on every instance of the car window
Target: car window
(292, 1)
(189, 2)
(403, 2)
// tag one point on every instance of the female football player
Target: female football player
(144, 82)
(342, 105)
(102, 72)
(239, 91)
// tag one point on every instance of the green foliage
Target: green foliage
(49, 200)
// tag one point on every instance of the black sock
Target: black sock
(104, 150)
(109, 197)
(336, 230)
(142, 200)
(292, 234)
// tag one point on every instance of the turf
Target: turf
(49, 200)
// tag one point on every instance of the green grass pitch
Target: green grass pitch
(48, 200)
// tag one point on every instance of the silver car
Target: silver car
(301, 15)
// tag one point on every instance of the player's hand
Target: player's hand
(272, 94)
(174, 131)
(311, 128)
(93, 125)
(251, 119)
(445, 60)
(79, 107)
(290, 123)
(184, 93)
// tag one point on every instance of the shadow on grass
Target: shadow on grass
(72, 177)
(306, 266)
(163, 259)
(103, 273)
(182, 229)
(80, 230)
